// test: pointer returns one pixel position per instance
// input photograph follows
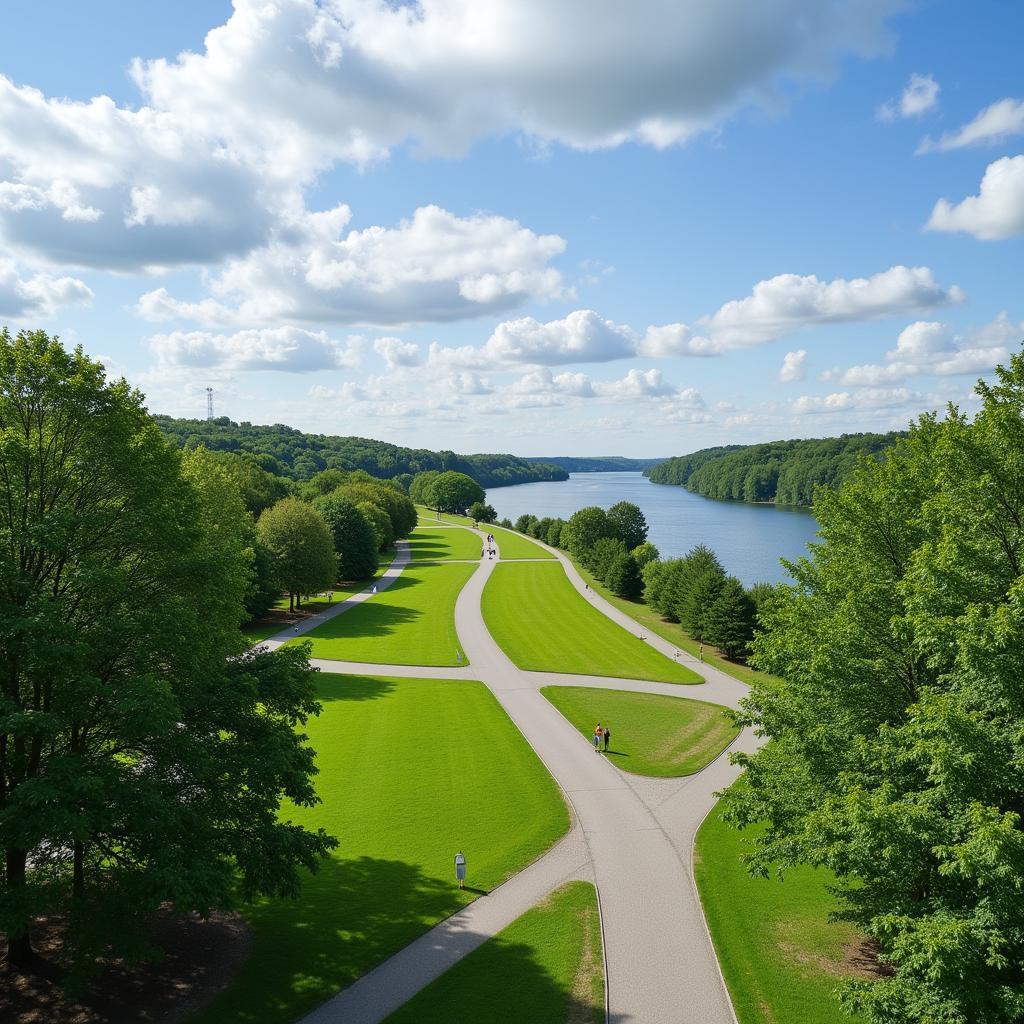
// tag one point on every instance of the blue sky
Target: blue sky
(532, 227)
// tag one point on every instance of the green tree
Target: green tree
(693, 600)
(398, 506)
(480, 512)
(623, 576)
(380, 523)
(629, 524)
(263, 591)
(144, 753)
(896, 722)
(729, 620)
(421, 490)
(300, 548)
(585, 528)
(644, 553)
(323, 483)
(355, 540)
(554, 537)
(259, 489)
(598, 559)
(525, 523)
(455, 492)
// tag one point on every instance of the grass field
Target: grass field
(410, 623)
(428, 517)
(515, 545)
(542, 623)
(781, 958)
(437, 545)
(545, 968)
(410, 772)
(651, 734)
(671, 631)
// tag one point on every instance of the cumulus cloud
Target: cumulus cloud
(396, 352)
(996, 212)
(794, 366)
(920, 95)
(789, 302)
(932, 348)
(290, 349)
(37, 295)
(996, 122)
(862, 399)
(675, 340)
(433, 266)
(638, 384)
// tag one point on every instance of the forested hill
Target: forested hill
(599, 463)
(784, 472)
(291, 453)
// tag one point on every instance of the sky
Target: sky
(547, 227)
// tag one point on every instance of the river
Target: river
(748, 539)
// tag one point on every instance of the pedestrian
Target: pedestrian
(701, 652)
(597, 738)
(607, 737)
(330, 597)
(458, 657)
(374, 589)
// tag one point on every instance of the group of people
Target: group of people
(602, 734)
(490, 550)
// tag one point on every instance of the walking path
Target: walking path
(632, 836)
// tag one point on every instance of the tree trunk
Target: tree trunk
(291, 601)
(78, 880)
(19, 949)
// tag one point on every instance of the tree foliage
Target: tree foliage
(143, 752)
(301, 551)
(585, 528)
(399, 508)
(454, 492)
(480, 512)
(629, 523)
(354, 537)
(897, 726)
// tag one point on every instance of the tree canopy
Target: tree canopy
(302, 556)
(897, 726)
(354, 537)
(143, 753)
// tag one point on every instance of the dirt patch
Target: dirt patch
(201, 959)
(859, 959)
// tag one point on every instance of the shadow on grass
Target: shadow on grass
(332, 687)
(350, 915)
(371, 618)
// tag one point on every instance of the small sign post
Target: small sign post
(460, 869)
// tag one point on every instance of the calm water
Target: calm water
(748, 539)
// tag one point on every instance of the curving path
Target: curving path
(632, 836)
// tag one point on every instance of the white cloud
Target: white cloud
(675, 340)
(929, 348)
(435, 266)
(996, 212)
(787, 303)
(794, 366)
(845, 401)
(920, 95)
(38, 295)
(396, 352)
(290, 349)
(638, 384)
(996, 122)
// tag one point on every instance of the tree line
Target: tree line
(695, 590)
(287, 452)
(783, 472)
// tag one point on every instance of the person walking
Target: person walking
(597, 738)
(607, 737)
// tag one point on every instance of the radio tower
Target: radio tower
(209, 403)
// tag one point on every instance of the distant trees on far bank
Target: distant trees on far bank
(783, 472)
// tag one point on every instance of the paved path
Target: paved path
(632, 836)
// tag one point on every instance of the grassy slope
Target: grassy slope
(436, 545)
(410, 623)
(671, 631)
(428, 517)
(544, 968)
(410, 772)
(515, 545)
(781, 957)
(651, 734)
(542, 623)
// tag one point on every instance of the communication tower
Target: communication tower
(209, 403)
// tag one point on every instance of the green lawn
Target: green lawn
(545, 968)
(428, 517)
(410, 623)
(671, 631)
(447, 543)
(651, 734)
(410, 772)
(515, 545)
(781, 957)
(280, 619)
(543, 624)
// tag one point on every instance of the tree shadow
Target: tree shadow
(331, 687)
(369, 619)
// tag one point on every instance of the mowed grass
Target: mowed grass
(781, 957)
(546, 968)
(651, 734)
(410, 623)
(447, 543)
(647, 617)
(428, 517)
(543, 624)
(515, 545)
(411, 771)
